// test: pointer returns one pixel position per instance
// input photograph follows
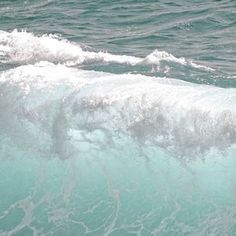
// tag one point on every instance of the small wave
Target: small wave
(61, 107)
(23, 47)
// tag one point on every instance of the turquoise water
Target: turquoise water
(117, 118)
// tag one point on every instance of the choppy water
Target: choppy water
(117, 118)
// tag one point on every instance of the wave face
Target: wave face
(117, 127)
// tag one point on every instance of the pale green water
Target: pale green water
(117, 118)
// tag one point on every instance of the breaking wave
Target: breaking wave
(67, 104)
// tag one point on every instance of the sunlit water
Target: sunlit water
(117, 118)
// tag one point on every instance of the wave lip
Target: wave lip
(23, 47)
(58, 101)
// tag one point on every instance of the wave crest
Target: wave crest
(23, 47)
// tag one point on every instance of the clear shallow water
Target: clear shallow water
(117, 118)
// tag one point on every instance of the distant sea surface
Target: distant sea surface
(117, 118)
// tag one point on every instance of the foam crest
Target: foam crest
(63, 107)
(23, 47)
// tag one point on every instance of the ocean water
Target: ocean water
(117, 118)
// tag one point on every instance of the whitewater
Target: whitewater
(115, 141)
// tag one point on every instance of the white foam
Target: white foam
(66, 104)
(23, 47)
(157, 56)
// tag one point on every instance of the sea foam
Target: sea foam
(66, 104)
(23, 47)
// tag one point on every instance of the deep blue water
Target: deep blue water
(117, 118)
